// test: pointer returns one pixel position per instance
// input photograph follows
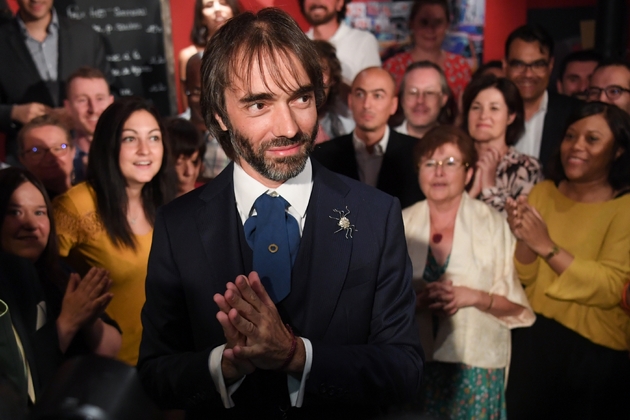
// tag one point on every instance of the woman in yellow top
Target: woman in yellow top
(107, 221)
(573, 256)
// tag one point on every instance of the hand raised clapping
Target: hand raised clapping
(486, 170)
(85, 299)
(256, 336)
(528, 225)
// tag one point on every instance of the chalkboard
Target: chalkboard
(139, 45)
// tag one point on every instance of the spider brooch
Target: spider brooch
(344, 222)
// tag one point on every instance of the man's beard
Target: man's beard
(275, 169)
(320, 20)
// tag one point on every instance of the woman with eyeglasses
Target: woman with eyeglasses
(107, 221)
(493, 116)
(573, 256)
(428, 22)
(468, 296)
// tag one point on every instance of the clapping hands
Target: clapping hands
(255, 334)
(485, 171)
(527, 225)
(85, 299)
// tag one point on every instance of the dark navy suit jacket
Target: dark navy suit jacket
(350, 296)
(397, 176)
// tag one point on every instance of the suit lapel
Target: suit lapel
(323, 260)
(348, 158)
(21, 53)
(221, 245)
(389, 174)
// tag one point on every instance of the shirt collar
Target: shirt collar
(359, 145)
(402, 128)
(53, 26)
(544, 103)
(340, 33)
(297, 190)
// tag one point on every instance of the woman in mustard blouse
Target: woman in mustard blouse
(573, 256)
(107, 221)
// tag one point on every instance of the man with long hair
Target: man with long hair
(279, 288)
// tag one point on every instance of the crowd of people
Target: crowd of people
(493, 285)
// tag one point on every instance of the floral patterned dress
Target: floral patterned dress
(457, 391)
(456, 69)
(517, 174)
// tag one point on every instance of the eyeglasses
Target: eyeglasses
(414, 94)
(612, 92)
(450, 164)
(538, 66)
(36, 154)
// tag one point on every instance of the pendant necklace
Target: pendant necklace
(437, 238)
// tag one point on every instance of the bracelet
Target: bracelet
(554, 251)
(491, 302)
(292, 351)
(624, 299)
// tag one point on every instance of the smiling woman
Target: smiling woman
(51, 325)
(494, 117)
(467, 297)
(572, 255)
(107, 221)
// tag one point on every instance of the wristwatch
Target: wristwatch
(554, 251)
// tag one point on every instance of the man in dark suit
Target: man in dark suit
(528, 63)
(341, 342)
(41, 50)
(374, 153)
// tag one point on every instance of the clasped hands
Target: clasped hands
(255, 334)
(527, 225)
(443, 298)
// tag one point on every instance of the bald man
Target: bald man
(373, 153)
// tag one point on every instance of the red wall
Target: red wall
(502, 17)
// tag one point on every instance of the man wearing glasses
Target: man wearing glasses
(528, 63)
(424, 95)
(610, 83)
(47, 151)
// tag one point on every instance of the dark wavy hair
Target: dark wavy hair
(244, 45)
(619, 124)
(511, 96)
(48, 264)
(419, 4)
(107, 181)
(199, 33)
(328, 53)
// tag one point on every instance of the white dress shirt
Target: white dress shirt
(297, 191)
(356, 50)
(402, 128)
(369, 164)
(531, 140)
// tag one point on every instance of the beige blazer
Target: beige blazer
(481, 258)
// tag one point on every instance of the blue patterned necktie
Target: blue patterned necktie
(274, 236)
